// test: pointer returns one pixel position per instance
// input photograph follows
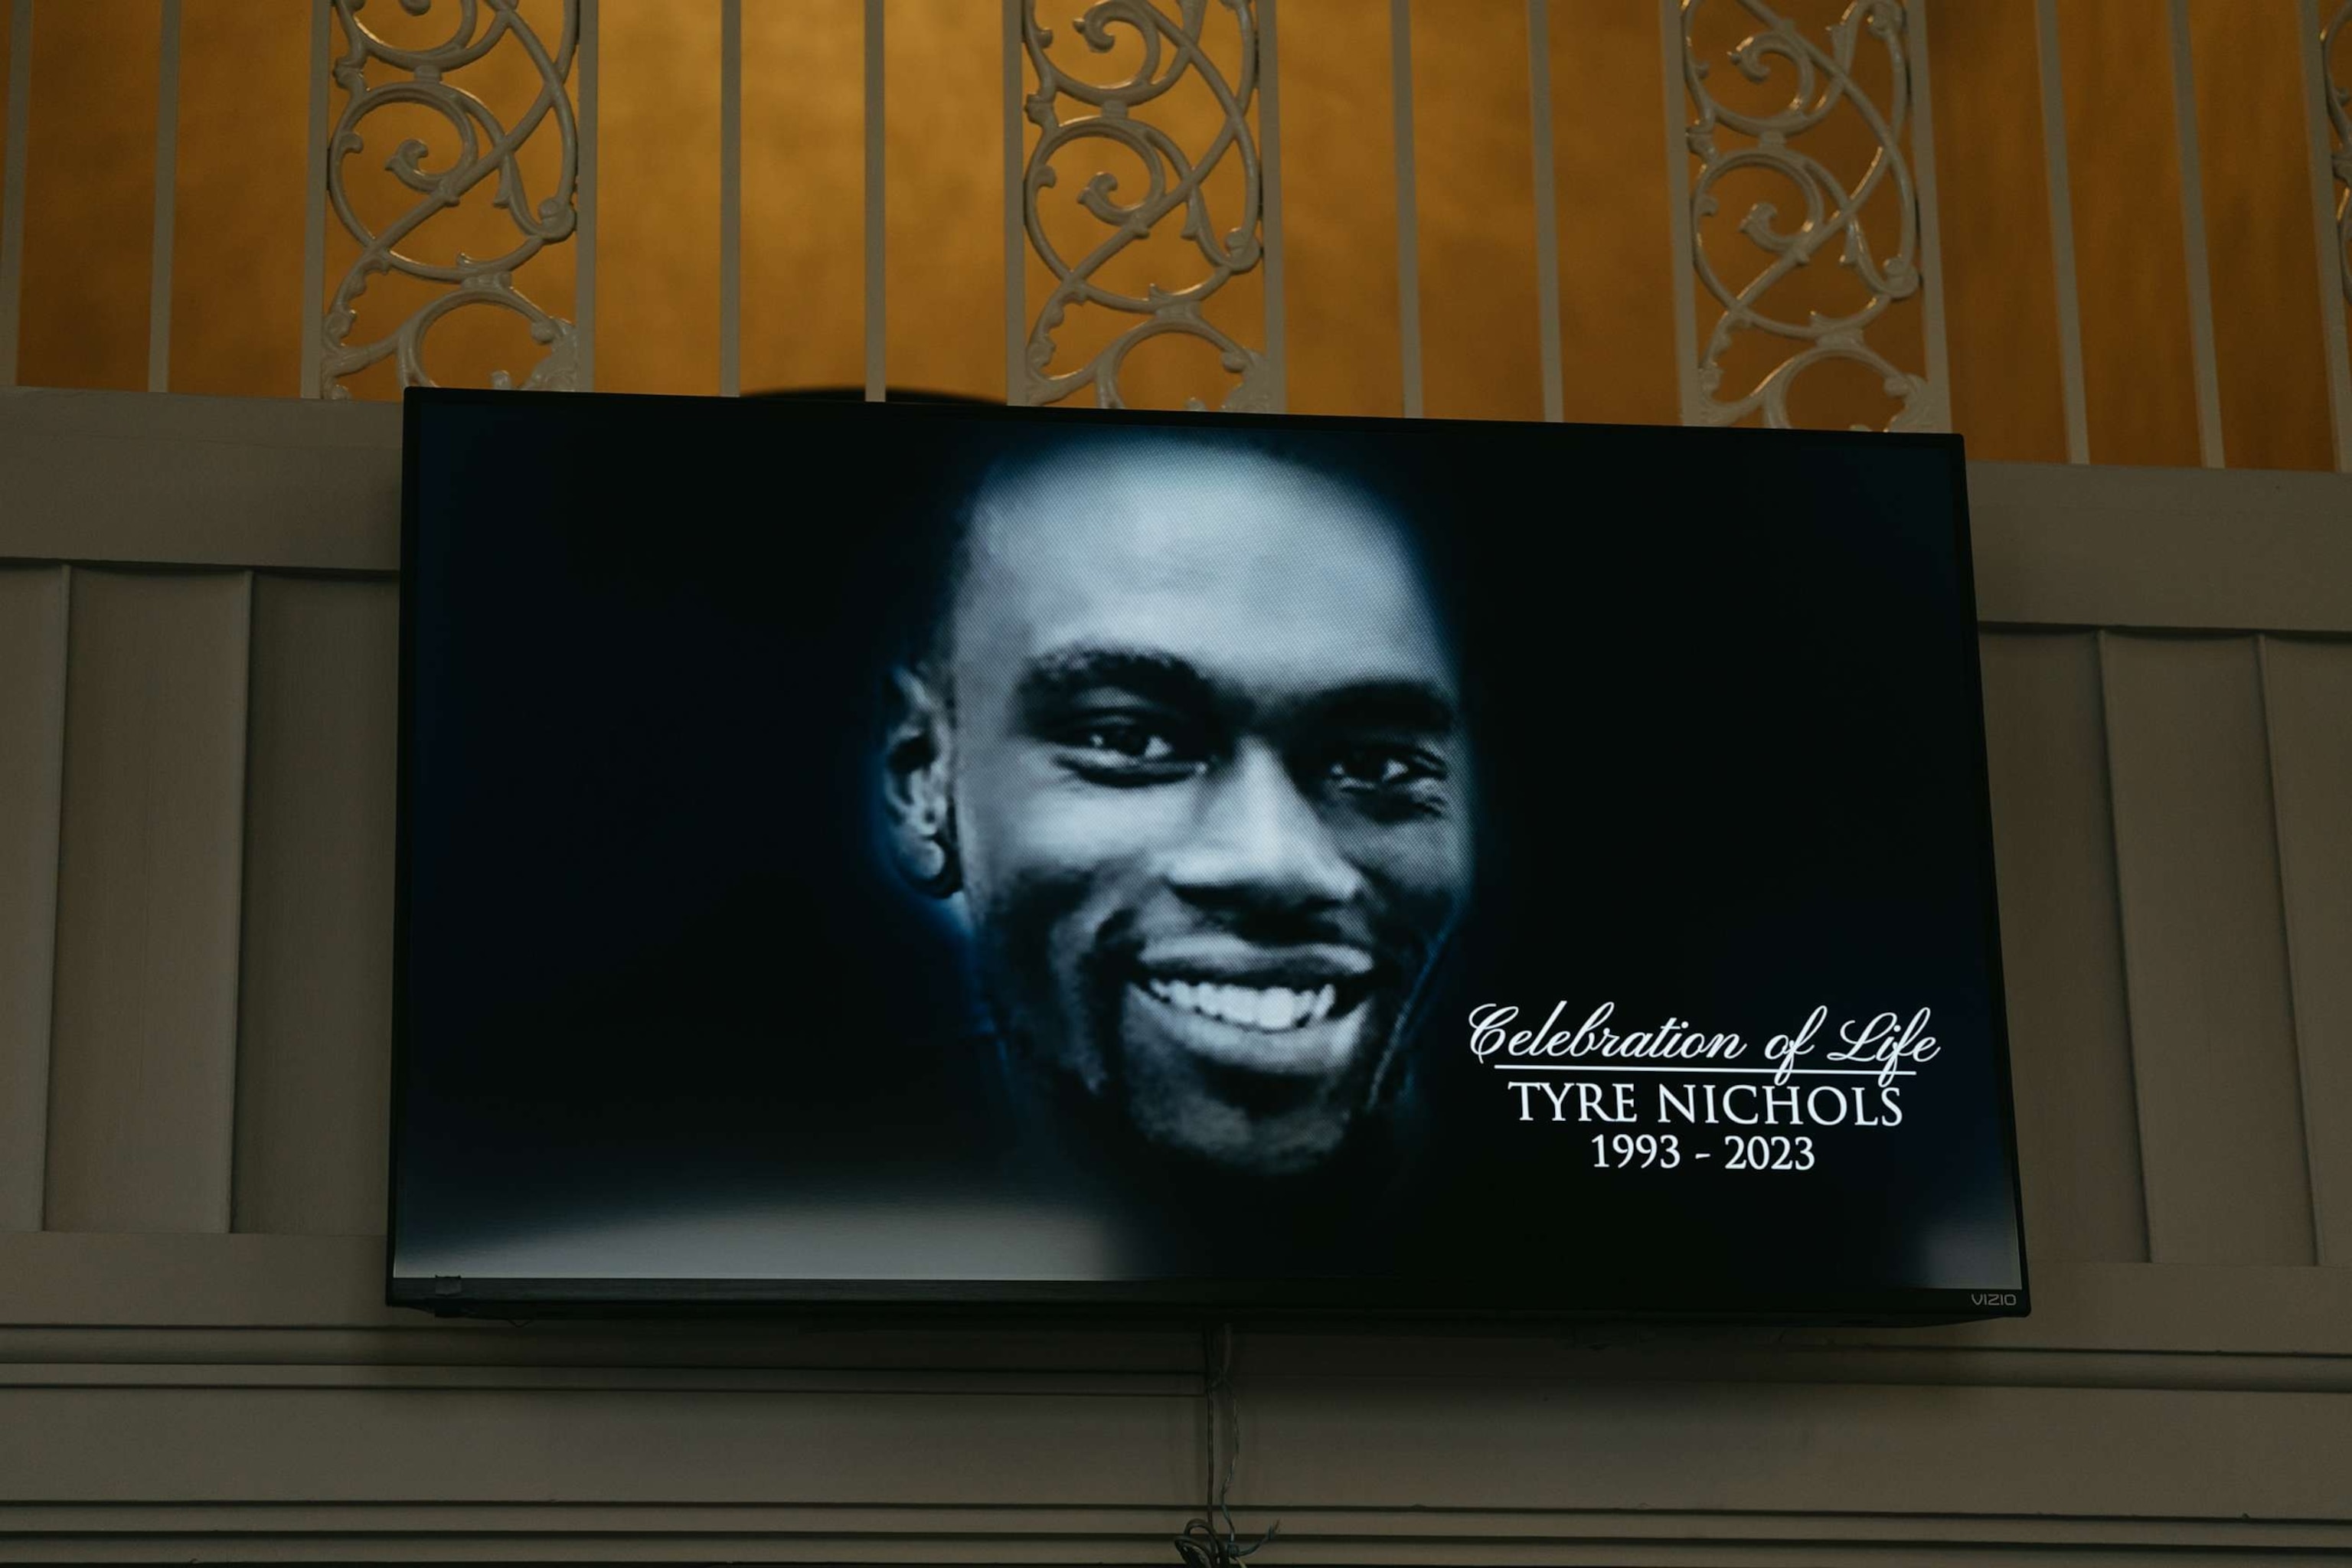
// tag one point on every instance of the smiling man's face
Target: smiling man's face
(1201, 753)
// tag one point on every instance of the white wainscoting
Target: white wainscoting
(196, 729)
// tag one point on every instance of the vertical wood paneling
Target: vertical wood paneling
(32, 753)
(143, 1048)
(2213, 1051)
(315, 1002)
(2309, 689)
(2061, 951)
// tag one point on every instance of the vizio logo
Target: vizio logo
(1993, 1299)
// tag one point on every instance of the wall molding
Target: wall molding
(92, 1282)
(292, 485)
(638, 1532)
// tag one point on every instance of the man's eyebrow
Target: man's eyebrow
(1055, 678)
(1418, 705)
(1065, 673)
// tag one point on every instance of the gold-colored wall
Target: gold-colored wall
(238, 311)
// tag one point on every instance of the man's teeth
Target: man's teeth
(1268, 1007)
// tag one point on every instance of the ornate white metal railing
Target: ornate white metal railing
(485, 168)
(1758, 103)
(1117, 113)
(1724, 139)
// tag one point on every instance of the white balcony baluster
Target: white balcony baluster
(1821, 72)
(2326, 51)
(12, 193)
(1175, 46)
(483, 165)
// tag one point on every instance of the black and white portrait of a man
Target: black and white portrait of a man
(857, 847)
(1182, 746)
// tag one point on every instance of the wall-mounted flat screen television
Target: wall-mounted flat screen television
(881, 853)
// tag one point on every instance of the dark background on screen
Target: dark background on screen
(1728, 757)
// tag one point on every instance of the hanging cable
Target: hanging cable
(1204, 1544)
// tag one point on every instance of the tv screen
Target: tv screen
(880, 852)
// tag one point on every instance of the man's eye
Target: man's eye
(1118, 750)
(1135, 742)
(1382, 767)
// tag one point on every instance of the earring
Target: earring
(933, 866)
(930, 858)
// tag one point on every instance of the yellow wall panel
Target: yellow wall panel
(1339, 212)
(2307, 712)
(2139, 382)
(2000, 293)
(238, 207)
(943, 67)
(2252, 125)
(1617, 256)
(236, 315)
(1474, 156)
(658, 197)
(89, 194)
(803, 273)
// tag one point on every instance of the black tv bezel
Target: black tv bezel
(1279, 1298)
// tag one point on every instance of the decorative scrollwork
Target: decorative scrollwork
(1823, 82)
(486, 150)
(1173, 46)
(2336, 94)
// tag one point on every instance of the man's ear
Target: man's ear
(917, 802)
